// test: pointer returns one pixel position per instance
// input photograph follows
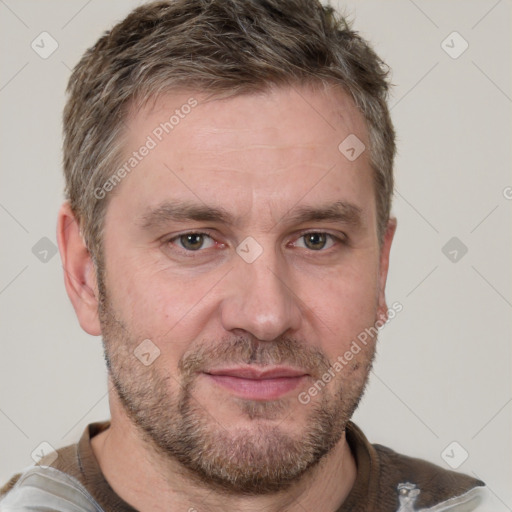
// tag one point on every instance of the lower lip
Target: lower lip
(257, 389)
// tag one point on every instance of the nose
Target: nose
(260, 298)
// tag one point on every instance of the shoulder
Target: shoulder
(392, 482)
(397, 467)
(424, 486)
(46, 488)
(64, 459)
(9, 485)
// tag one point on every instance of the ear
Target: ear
(382, 312)
(79, 272)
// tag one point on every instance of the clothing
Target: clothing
(385, 482)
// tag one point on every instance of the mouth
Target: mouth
(257, 383)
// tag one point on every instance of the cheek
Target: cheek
(343, 308)
(159, 304)
(349, 342)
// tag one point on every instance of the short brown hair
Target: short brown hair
(222, 47)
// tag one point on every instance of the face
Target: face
(241, 260)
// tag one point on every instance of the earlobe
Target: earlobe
(79, 272)
(384, 266)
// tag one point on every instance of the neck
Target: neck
(147, 481)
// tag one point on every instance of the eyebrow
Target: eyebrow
(183, 211)
(339, 211)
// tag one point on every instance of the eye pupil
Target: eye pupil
(192, 240)
(315, 241)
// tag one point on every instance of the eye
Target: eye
(193, 241)
(316, 241)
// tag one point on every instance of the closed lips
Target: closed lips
(257, 374)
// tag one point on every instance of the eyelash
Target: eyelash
(188, 253)
(192, 254)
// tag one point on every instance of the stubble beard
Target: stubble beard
(257, 460)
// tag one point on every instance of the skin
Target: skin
(259, 156)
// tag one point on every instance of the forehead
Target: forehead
(249, 153)
(293, 114)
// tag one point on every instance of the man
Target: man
(229, 173)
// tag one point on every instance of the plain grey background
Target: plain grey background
(443, 370)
